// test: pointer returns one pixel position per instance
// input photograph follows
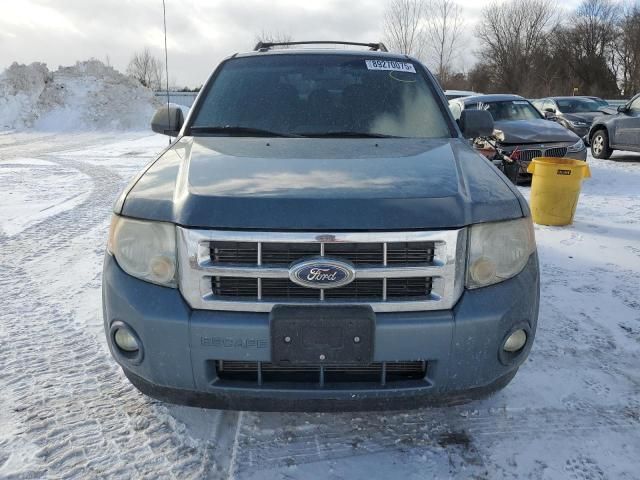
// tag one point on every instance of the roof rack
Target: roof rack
(265, 46)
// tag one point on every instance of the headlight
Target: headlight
(498, 251)
(146, 250)
(498, 135)
(578, 124)
(576, 147)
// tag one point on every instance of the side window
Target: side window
(456, 110)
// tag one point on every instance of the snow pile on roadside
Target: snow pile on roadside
(86, 96)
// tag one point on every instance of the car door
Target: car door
(627, 133)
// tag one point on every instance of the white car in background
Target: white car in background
(452, 94)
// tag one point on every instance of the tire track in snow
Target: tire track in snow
(305, 439)
(75, 412)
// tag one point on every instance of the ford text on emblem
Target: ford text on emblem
(321, 273)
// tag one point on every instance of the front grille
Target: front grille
(398, 253)
(556, 152)
(233, 252)
(277, 289)
(528, 155)
(260, 373)
(249, 271)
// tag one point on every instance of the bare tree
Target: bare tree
(146, 68)
(587, 46)
(274, 37)
(627, 49)
(512, 36)
(443, 35)
(404, 26)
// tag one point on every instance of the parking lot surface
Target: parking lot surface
(66, 409)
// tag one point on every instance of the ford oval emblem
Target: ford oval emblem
(322, 273)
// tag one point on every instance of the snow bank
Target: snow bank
(86, 96)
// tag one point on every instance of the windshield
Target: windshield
(577, 105)
(320, 95)
(508, 110)
(600, 102)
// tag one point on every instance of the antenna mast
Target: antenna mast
(166, 61)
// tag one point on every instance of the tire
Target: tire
(600, 145)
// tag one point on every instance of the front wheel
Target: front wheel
(600, 145)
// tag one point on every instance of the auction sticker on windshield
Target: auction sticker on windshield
(390, 65)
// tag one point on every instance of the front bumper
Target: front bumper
(461, 347)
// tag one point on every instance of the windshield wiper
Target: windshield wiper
(347, 134)
(240, 131)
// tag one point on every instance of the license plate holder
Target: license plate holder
(322, 335)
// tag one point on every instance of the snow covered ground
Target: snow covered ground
(66, 410)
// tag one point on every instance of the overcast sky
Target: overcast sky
(200, 32)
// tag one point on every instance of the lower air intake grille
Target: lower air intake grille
(380, 373)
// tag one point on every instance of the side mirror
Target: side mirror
(167, 120)
(549, 110)
(622, 109)
(476, 123)
(549, 115)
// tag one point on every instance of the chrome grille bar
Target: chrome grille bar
(197, 268)
(322, 255)
(384, 280)
(259, 262)
(265, 271)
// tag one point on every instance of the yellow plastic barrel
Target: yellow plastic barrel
(555, 189)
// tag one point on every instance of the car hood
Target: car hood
(321, 184)
(583, 116)
(534, 131)
(608, 110)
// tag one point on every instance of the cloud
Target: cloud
(200, 32)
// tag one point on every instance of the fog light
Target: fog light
(125, 340)
(515, 341)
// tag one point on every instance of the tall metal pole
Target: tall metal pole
(166, 61)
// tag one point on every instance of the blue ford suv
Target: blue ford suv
(320, 236)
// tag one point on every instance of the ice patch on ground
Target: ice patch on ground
(86, 96)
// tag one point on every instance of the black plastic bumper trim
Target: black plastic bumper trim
(310, 401)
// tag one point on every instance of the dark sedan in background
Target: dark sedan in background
(519, 125)
(575, 113)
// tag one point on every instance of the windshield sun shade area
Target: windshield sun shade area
(578, 105)
(508, 110)
(316, 95)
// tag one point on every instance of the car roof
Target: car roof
(498, 97)
(325, 51)
(456, 92)
(570, 97)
